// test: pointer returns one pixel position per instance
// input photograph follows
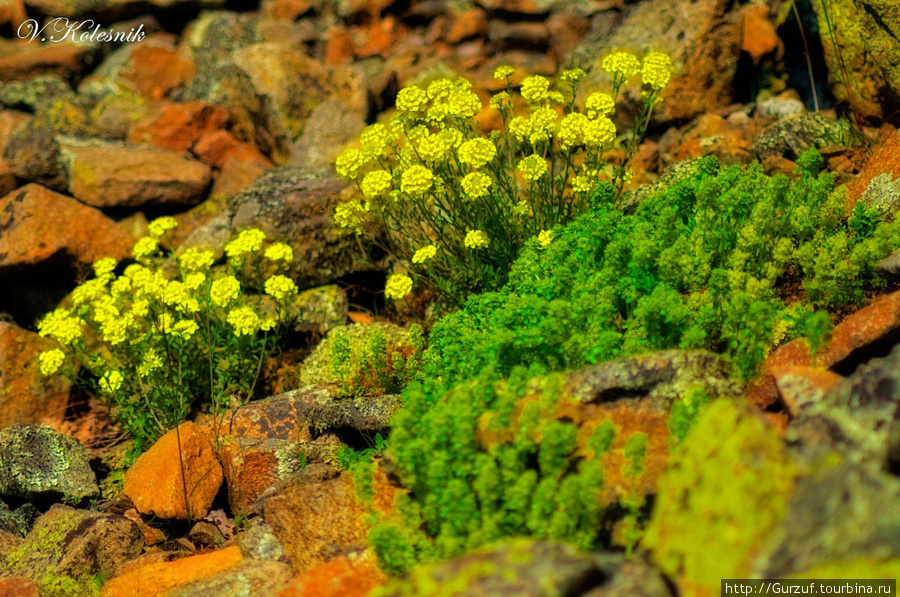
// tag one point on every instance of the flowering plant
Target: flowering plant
(154, 344)
(458, 206)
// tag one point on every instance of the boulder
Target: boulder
(155, 579)
(352, 575)
(252, 466)
(246, 579)
(37, 462)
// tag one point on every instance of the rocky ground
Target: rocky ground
(231, 114)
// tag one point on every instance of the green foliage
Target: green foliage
(490, 460)
(684, 413)
(169, 334)
(635, 452)
(817, 331)
(723, 259)
(720, 495)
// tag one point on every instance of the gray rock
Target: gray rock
(320, 309)
(18, 521)
(35, 93)
(781, 108)
(37, 462)
(331, 126)
(259, 542)
(247, 579)
(890, 265)
(883, 193)
(790, 137)
(634, 577)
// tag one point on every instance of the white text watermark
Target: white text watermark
(61, 29)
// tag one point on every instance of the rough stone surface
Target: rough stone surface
(120, 175)
(26, 395)
(40, 227)
(259, 542)
(802, 387)
(156, 579)
(37, 462)
(154, 482)
(247, 579)
(352, 575)
(115, 9)
(252, 466)
(331, 126)
(884, 163)
(19, 587)
(75, 544)
(179, 126)
(790, 137)
(320, 310)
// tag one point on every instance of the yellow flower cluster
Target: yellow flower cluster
(499, 100)
(244, 320)
(160, 226)
(144, 248)
(504, 72)
(573, 75)
(62, 326)
(416, 180)
(51, 360)
(349, 214)
(224, 291)
(376, 183)
(411, 99)
(375, 138)
(349, 162)
(247, 241)
(280, 287)
(656, 70)
(599, 104)
(424, 254)
(104, 267)
(545, 238)
(535, 89)
(279, 252)
(578, 129)
(111, 381)
(476, 152)
(532, 167)
(476, 184)
(398, 286)
(194, 259)
(185, 328)
(476, 239)
(622, 64)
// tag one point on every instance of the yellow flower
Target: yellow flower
(349, 162)
(185, 328)
(573, 75)
(194, 259)
(280, 287)
(432, 148)
(105, 309)
(463, 104)
(476, 239)
(504, 72)
(556, 96)
(279, 252)
(621, 64)
(89, 291)
(376, 183)
(177, 294)
(165, 322)
(145, 247)
(398, 286)
(571, 130)
(150, 363)
(140, 308)
(498, 100)
(111, 381)
(440, 88)
(194, 280)
(50, 361)
(411, 99)
(424, 254)
(476, 184)
(248, 241)
(375, 138)
(104, 267)
(476, 152)
(120, 286)
(545, 237)
(224, 290)
(416, 180)
(160, 226)
(656, 70)
(541, 124)
(61, 326)
(267, 324)
(535, 89)
(520, 128)
(599, 104)
(115, 329)
(521, 209)
(582, 183)
(599, 132)
(244, 320)
(532, 167)
(349, 214)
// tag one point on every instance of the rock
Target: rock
(790, 137)
(206, 534)
(68, 548)
(35, 93)
(247, 579)
(841, 514)
(179, 126)
(890, 265)
(733, 474)
(220, 147)
(802, 387)
(8, 181)
(759, 35)
(252, 466)
(8, 543)
(353, 575)
(331, 126)
(159, 578)
(115, 112)
(466, 25)
(32, 154)
(534, 35)
(26, 395)
(296, 207)
(316, 520)
(862, 55)
(115, 9)
(154, 483)
(863, 332)
(630, 577)
(259, 542)
(11, 122)
(883, 164)
(318, 369)
(37, 462)
(25, 60)
(702, 37)
(708, 134)
(19, 521)
(860, 417)
(522, 567)
(43, 227)
(151, 534)
(19, 587)
(320, 310)
(120, 175)
(151, 69)
(883, 193)
(780, 108)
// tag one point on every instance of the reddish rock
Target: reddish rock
(26, 395)
(12, 12)
(884, 160)
(316, 520)
(39, 224)
(861, 329)
(708, 134)
(800, 387)
(157, 578)
(467, 24)
(151, 535)
(23, 61)
(759, 35)
(218, 147)
(179, 126)
(380, 36)
(339, 49)
(154, 71)
(252, 466)
(518, 34)
(119, 175)
(354, 575)
(235, 176)
(11, 121)
(8, 180)
(155, 483)
(19, 587)
(285, 9)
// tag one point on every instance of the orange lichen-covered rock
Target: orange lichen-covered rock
(179, 126)
(885, 160)
(27, 396)
(352, 575)
(158, 578)
(19, 587)
(39, 224)
(155, 484)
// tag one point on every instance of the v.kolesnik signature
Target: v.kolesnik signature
(61, 29)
